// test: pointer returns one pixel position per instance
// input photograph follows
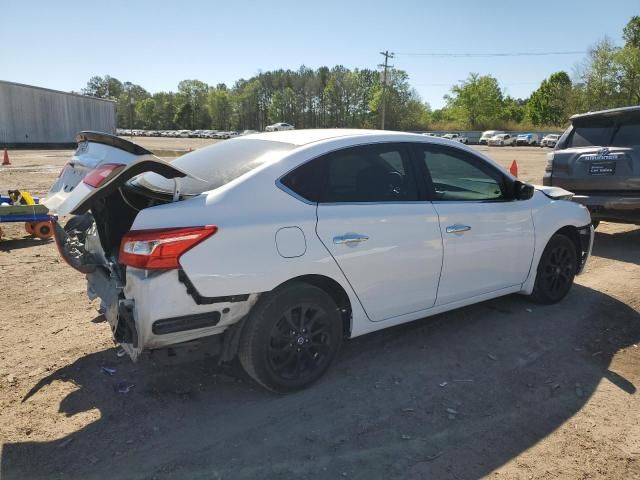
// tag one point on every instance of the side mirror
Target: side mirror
(523, 191)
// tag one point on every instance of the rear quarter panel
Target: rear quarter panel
(242, 257)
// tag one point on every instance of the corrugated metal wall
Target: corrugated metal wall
(38, 115)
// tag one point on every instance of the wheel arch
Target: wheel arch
(572, 233)
(332, 288)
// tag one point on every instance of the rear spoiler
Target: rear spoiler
(112, 141)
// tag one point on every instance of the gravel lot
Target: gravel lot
(503, 389)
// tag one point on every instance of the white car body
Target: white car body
(527, 139)
(279, 127)
(456, 137)
(484, 138)
(409, 267)
(550, 140)
(502, 140)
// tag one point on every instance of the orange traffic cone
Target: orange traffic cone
(514, 169)
(5, 160)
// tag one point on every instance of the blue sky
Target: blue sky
(60, 44)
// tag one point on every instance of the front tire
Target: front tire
(291, 337)
(556, 270)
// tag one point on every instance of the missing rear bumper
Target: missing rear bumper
(186, 322)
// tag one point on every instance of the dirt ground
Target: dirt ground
(503, 389)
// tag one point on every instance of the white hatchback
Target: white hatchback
(281, 245)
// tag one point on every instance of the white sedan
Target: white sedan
(279, 127)
(282, 245)
(502, 140)
(456, 137)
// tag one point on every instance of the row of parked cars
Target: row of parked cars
(182, 133)
(499, 138)
(217, 134)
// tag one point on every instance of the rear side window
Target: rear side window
(372, 173)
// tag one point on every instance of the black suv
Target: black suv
(598, 158)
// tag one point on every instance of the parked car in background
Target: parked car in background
(429, 134)
(354, 231)
(502, 140)
(277, 127)
(549, 140)
(456, 137)
(484, 138)
(598, 158)
(527, 139)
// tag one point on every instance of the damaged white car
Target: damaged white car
(281, 245)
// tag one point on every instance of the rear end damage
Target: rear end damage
(146, 297)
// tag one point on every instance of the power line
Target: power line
(495, 54)
(385, 66)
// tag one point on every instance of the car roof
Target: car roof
(612, 112)
(306, 136)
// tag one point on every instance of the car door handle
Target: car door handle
(458, 228)
(350, 238)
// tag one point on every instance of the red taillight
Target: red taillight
(98, 176)
(160, 249)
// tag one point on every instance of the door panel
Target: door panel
(488, 238)
(493, 251)
(390, 253)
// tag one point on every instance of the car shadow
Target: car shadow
(453, 396)
(621, 246)
(7, 245)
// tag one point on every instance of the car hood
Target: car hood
(555, 193)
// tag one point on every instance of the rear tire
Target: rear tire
(291, 337)
(556, 270)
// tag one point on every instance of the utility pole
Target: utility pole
(385, 66)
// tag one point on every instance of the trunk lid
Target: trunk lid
(70, 194)
(94, 149)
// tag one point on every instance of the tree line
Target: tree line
(340, 97)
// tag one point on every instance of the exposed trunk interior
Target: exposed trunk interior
(115, 213)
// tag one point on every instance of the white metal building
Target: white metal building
(40, 116)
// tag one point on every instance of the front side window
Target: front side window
(371, 173)
(457, 176)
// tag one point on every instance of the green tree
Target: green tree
(631, 32)
(103, 87)
(550, 104)
(147, 114)
(184, 117)
(130, 96)
(194, 92)
(477, 101)
(221, 104)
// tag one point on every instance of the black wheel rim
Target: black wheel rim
(300, 342)
(558, 271)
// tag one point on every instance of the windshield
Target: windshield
(217, 165)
